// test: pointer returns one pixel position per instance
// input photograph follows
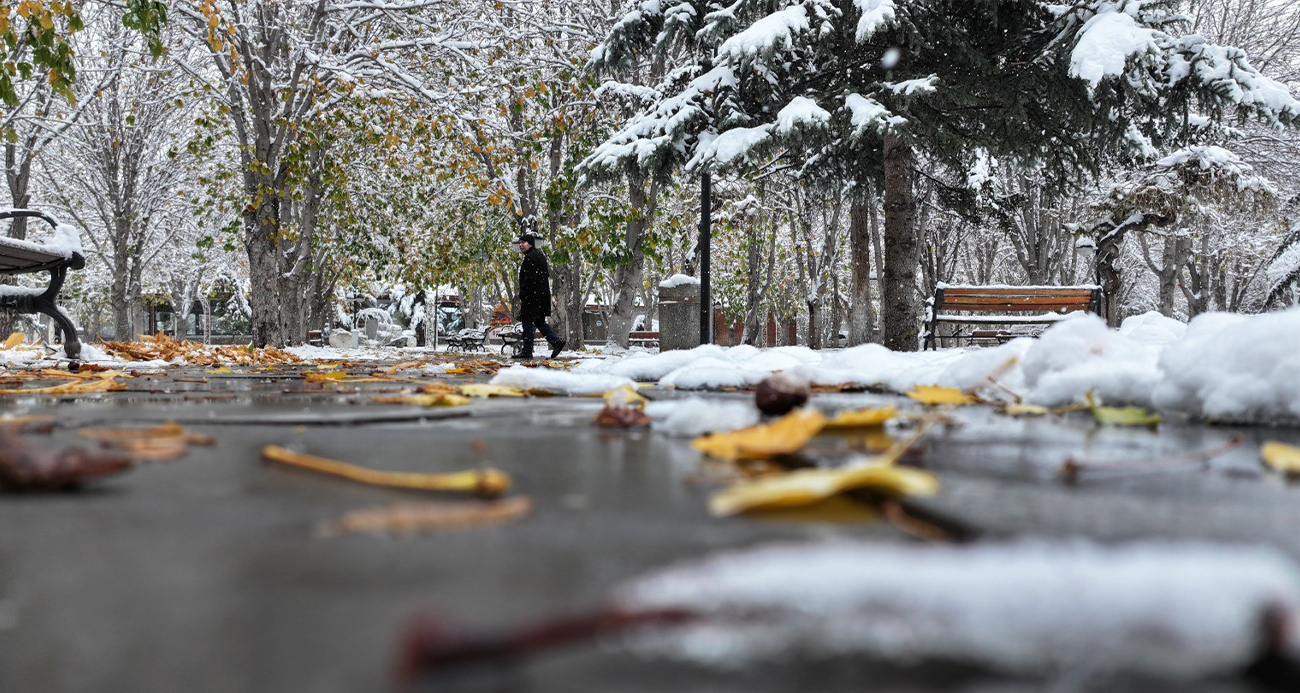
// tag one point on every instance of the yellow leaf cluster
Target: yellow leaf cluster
(1282, 457)
(807, 486)
(781, 437)
(934, 395)
(863, 418)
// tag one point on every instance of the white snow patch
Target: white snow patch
(1180, 611)
(559, 382)
(695, 416)
(678, 280)
(1105, 43)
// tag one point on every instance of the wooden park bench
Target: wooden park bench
(1001, 313)
(468, 340)
(643, 338)
(26, 257)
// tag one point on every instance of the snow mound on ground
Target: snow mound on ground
(1082, 355)
(1180, 611)
(696, 416)
(559, 382)
(1224, 366)
(1234, 367)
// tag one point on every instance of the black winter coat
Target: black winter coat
(534, 287)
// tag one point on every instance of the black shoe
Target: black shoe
(558, 348)
(521, 356)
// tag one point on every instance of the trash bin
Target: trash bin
(679, 313)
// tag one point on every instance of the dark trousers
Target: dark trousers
(547, 332)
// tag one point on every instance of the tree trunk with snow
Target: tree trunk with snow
(900, 309)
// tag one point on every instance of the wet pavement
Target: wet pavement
(206, 573)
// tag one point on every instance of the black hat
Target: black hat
(528, 238)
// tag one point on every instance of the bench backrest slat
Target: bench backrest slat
(978, 299)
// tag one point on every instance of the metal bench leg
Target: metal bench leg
(47, 303)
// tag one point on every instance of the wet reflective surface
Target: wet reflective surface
(204, 574)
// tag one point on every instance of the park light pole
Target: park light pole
(706, 300)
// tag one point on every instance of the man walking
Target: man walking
(535, 298)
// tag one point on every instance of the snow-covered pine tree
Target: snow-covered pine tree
(846, 90)
(1283, 271)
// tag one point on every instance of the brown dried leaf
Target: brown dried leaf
(413, 518)
(24, 468)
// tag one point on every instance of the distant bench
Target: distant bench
(26, 257)
(643, 338)
(996, 306)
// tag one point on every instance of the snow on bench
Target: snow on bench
(56, 256)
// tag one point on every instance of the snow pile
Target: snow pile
(1240, 367)
(559, 382)
(1222, 366)
(708, 366)
(693, 417)
(678, 280)
(1084, 354)
(1105, 43)
(1179, 611)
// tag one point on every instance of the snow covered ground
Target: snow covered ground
(1220, 366)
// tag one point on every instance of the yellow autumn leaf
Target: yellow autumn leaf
(808, 486)
(1280, 456)
(79, 388)
(489, 390)
(484, 482)
(326, 377)
(625, 396)
(1026, 410)
(781, 437)
(223, 369)
(934, 395)
(441, 399)
(863, 418)
(14, 340)
(1120, 416)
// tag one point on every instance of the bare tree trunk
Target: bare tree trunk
(753, 290)
(900, 308)
(627, 278)
(861, 314)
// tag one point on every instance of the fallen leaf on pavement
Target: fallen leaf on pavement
(1121, 416)
(24, 468)
(935, 395)
(332, 376)
(166, 442)
(806, 486)
(863, 418)
(166, 348)
(624, 408)
(1280, 456)
(1026, 410)
(414, 518)
(488, 390)
(447, 399)
(14, 340)
(81, 388)
(784, 436)
(486, 482)
(27, 424)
